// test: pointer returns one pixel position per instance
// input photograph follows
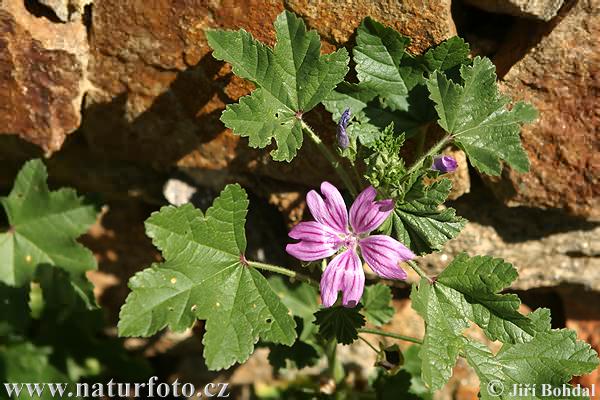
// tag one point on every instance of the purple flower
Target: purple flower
(342, 137)
(444, 164)
(331, 232)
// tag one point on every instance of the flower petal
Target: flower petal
(344, 273)
(317, 241)
(331, 211)
(384, 254)
(366, 214)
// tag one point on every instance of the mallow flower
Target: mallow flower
(444, 164)
(335, 230)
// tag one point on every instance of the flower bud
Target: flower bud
(342, 136)
(444, 164)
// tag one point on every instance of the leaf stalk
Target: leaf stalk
(333, 160)
(419, 271)
(283, 271)
(391, 334)
(433, 150)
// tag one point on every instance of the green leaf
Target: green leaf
(300, 299)
(291, 78)
(376, 304)
(475, 113)
(24, 362)
(301, 354)
(467, 291)
(339, 323)
(418, 221)
(43, 229)
(204, 277)
(380, 67)
(412, 365)
(443, 339)
(472, 283)
(75, 334)
(447, 55)
(14, 310)
(550, 358)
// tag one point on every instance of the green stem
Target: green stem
(418, 270)
(434, 150)
(369, 343)
(334, 368)
(283, 271)
(333, 160)
(421, 140)
(391, 334)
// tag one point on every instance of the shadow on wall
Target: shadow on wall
(515, 224)
(179, 120)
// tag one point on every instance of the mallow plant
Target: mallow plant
(396, 214)
(395, 112)
(396, 194)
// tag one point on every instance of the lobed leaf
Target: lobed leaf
(43, 227)
(550, 358)
(376, 304)
(418, 221)
(340, 323)
(291, 79)
(475, 113)
(204, 276)
(467, 290)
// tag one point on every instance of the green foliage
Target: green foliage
(204, 276)
(467, 290)
(43, 228)
(385, 168)
(376, 304)
(299, 355)
(14, 310)
(406, 384)
(392, 81)
(419, 222)
(475, 113)
(550, 358)
(301, 300)
(292, 78)
(51, 330)
(22, 361)
(340, 323)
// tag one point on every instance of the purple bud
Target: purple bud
(444, 164)
(342, 137)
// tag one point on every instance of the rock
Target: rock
(582, 309)
(178, 192)
(539, 9)
(461, 181)
(426, 23)
(42, 76)
(158, 93)
(560, 75)
(67, 10)
(547, 248)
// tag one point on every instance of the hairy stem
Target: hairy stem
(369, 343)
(391, 334)
(333, 160)
(433, 150)
(419, 271)
(420, 139)
(283, 271)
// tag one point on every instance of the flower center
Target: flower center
(350, 241)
